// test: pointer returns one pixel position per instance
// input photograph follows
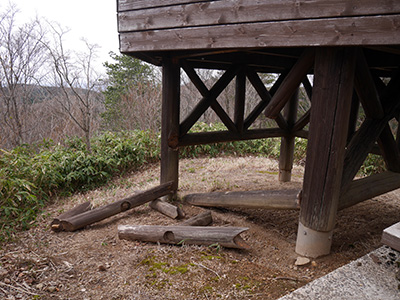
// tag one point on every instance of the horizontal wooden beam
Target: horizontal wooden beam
(154, 15)
(350, 31)
(228, 136)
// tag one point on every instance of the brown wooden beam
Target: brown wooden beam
(195, 79)
(228, 136)
(302, 121)
(332, 92)
(240, 98)
(355, 106)
(170, 121)
(390, 151)
(290, 84)
(365, 88)
(201, 87)
(206, 101)
(287, 142)
(364, 139)
(223, 116)
(307, 87)
(265, 98)
(366, 188)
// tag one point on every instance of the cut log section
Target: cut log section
(203, 219)
(167, 209)
(228, 237)
(89, 217)
(276, 199)
(56, 223)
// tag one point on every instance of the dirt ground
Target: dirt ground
(94, 263)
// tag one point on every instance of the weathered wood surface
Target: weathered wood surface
(167, 209)
(56, 223)
(275, 199)
(366, 90)
(170, 121)
(228, 237)
(180, 14)
(369, 30)
(332, 94)
(369, 187)
(391, 236)
(364, 139)
(199, 138)
(124, 5)
(95, 215)
(286, 154)
(203, 219)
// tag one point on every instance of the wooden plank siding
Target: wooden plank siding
(190, 25)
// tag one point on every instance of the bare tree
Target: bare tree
(79, 84)
(22, 56)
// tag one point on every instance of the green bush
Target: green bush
(29, 175)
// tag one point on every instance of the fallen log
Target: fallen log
(276, 199)
(198, 235)
(167, 209)
(56, 223)
(89, 217)
(203, 219)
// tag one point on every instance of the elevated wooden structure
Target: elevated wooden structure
(352, 49)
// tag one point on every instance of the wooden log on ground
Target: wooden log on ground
(167, 209)
(56, 224)
(228, 237)
(79, 221)
(277, 199)
(203, 219)
(369, 187)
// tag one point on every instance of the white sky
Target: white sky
(94, 20)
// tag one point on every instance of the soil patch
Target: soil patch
(94, 264)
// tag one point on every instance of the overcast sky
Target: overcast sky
(94, 20)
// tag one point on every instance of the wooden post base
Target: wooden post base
(312, 243)
(285, 175)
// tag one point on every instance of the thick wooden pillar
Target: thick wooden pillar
(170, 121)
(287, 142)
(329, 123)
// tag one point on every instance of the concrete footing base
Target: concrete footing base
(312, 243)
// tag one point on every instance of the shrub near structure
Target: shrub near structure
(31, 174)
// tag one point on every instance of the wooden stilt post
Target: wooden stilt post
(170, 120)
(287, 142)
(331, 105)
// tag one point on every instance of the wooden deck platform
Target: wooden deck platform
(352, 49)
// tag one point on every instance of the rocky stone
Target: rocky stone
(302, 261)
